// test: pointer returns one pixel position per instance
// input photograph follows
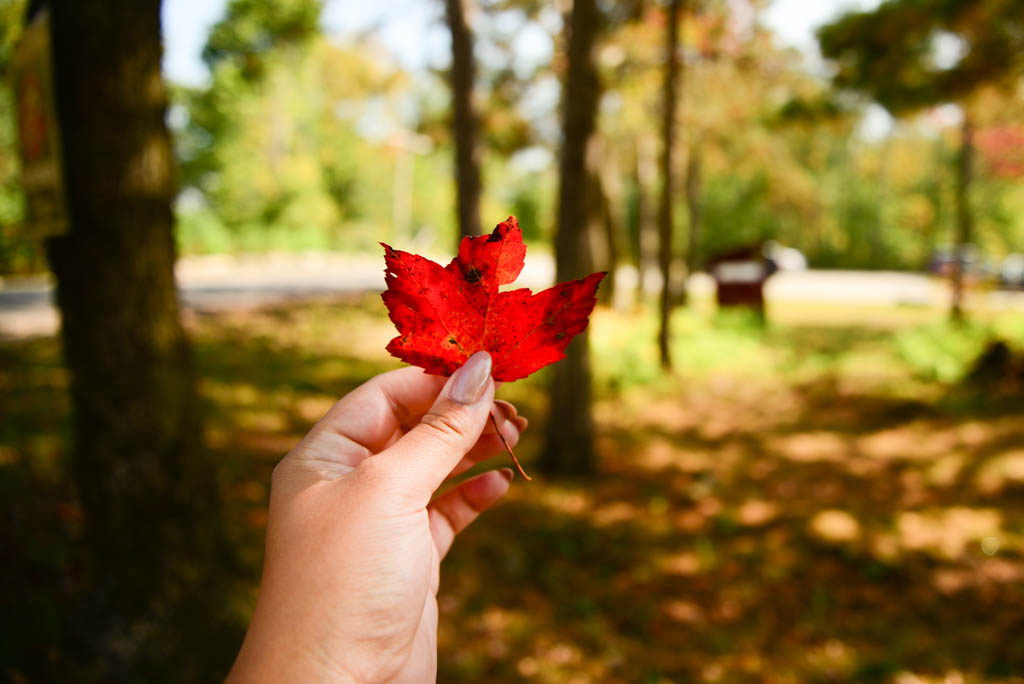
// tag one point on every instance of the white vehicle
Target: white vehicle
(785, 258)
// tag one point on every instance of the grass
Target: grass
(814, 500)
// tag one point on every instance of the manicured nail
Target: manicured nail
(471, 379)
(510, 432)
(507, 474)
(509, 410)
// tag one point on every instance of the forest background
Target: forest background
(300, 141)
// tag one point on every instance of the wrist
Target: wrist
(269, 655)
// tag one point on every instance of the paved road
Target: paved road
(218, 283)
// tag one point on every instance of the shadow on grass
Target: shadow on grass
(762, 565)
(790, 530)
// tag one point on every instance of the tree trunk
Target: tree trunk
(666, 220)
(464, 121)
(964, 218)
(569, 444)
(693, 192)
(148, 493)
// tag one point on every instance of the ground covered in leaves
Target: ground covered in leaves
(823, 499)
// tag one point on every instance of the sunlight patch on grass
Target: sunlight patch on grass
(562, 500)
(663, 452)
(685, 612)
(951, 677)
(835, 526)
(831, 661)
(683, 563)
(909, 441)
(988, 573)
(944, 471)
(1005, 470)
(811, 447)
(946, 533)
(614, 513)
(757, 512)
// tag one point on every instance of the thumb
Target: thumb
(426, 455)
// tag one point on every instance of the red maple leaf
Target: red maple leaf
(446, 314)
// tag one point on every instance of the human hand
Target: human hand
(354, 541)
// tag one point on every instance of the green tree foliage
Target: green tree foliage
(892, 53)
(783, 157)
(272, 150)
(302, 142)
(17, 252)
(911, 54)
(253, 29)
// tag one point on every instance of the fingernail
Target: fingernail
(507, 474)
(507, 409)
(510, 432)
(471, 379)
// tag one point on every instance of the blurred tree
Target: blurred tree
(148, 492)
(632, 59)
(605, 224)
(300, 151)
(569, 446)
(666, 215)
(17, 252)
(464, 119)
(642, 231)
(912, 54)
(252, 29)
(693, 204)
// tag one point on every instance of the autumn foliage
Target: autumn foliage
(444, 314)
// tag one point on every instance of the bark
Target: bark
(569, 446)
(464, 122)
(149, 495)
(666, 219)
(964, 218)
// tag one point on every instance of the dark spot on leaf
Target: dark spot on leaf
(472, 275)
(494, 237)
(560, 336)
(451, 340)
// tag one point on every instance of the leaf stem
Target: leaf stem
(494, 421)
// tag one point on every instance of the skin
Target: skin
(355, 536)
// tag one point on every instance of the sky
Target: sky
(412, 28)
